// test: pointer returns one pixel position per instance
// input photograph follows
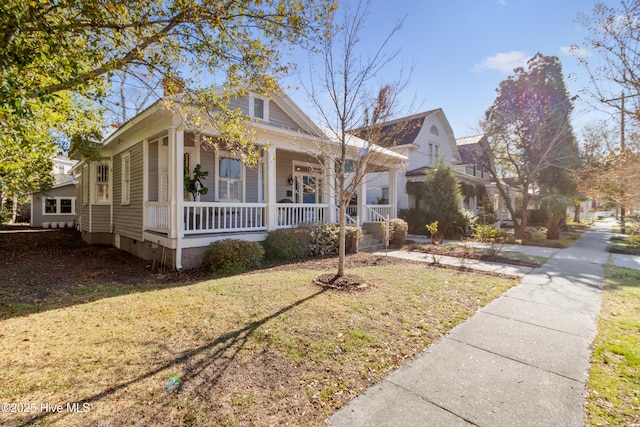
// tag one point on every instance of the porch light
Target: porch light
(290, 180)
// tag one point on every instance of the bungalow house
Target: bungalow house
(134, 197)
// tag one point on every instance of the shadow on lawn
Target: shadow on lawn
(46, 269)
(213, 352)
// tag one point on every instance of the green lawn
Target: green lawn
(614, 382)
(265, 348)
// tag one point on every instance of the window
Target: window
(102, 183)
(385, 193)
(434, 130)
(66, 206)
(349, 166)
(434, 152)
(229, 178)
(85, 185)
(259, 108)
(50, 206)
(59, 205)
(126, 178)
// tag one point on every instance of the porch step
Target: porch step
(369, 243)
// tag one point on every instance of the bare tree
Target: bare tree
(346, 82)
(614, 73)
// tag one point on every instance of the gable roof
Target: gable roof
(402, 131)
(472, 148)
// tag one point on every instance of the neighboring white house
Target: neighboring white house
(134, 196)
(56, 207)
(427, 138)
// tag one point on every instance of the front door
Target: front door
(308, 184)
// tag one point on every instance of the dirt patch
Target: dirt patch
(42, 266)
(468, 253)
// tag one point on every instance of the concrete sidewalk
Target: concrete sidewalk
(522, 360)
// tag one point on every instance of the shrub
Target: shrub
(325, 239)
(397, 232)
(485, 233)
(232, 256)
(288, 244)
(416, 219)
(432, 228)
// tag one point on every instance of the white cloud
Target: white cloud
(576, 51)
(504, 62)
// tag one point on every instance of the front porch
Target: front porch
(287, 187)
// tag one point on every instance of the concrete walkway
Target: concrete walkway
(522, 360)
(494, 267)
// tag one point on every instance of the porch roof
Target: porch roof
(360, 146)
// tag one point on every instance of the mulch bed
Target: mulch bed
(468, 254)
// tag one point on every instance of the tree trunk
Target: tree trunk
(576, 212)
(14, 209)
(342, 240)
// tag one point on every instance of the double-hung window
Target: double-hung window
(85, 184)
(259, 108)
(126, 179)
(229, 178)
(102, 183)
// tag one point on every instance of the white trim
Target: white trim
(125, 183)
(265, 108)
(218, 180)
(58, 205)
(317, 171)
(109, 182)
(86, 184)
(145, 182)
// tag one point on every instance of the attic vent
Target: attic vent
(434, 130)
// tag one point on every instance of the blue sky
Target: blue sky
(462, 49)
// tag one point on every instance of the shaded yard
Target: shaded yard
(92, 326)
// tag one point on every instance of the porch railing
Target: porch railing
(375, 216)
(289, 215)
(379, 213)
(352, 211)
(349, 219)
(157, 216)
(203, 217)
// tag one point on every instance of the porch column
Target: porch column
(173, 197)
(180, 180)
(362, 203)
(270, 190)
(176, 191)
(393, 193)
(330, 190)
